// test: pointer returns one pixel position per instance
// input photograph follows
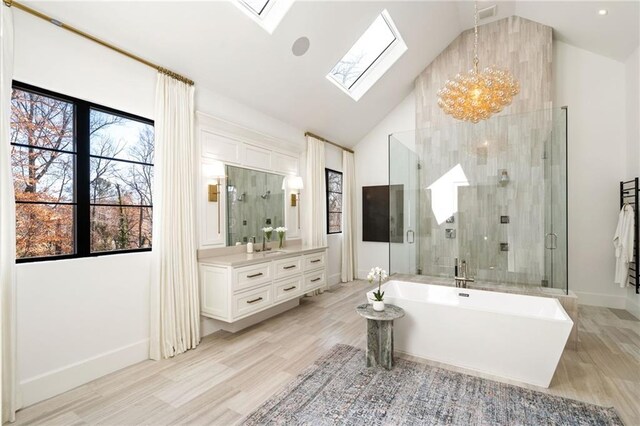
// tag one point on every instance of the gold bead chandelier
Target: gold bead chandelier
(475, 96)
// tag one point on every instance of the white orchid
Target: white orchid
(380, 275)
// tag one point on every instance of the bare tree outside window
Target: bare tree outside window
(121, 184)
(334, 201)
(42, 161)
(364, 53)
(45, 165)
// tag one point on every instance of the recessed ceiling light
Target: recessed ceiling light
(603, 12)
(300, 46)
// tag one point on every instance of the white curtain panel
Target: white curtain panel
(349, 266)
(175, 306)
(8, 387)
(315, 194)
(314, 197)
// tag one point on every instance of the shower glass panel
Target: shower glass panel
(492, 193)
(404, 200)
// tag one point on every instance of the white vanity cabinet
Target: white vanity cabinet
(233, 291)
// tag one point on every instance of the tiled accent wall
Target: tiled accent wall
(516, 140)
(248, 211)
(523, 47)
(512, 143)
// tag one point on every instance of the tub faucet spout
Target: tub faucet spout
(460, 274)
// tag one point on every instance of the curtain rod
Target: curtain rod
(313, 135)
(12, 3)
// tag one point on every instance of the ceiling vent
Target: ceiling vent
(488, 12)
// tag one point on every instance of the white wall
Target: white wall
(593, 87)
(632, 79)
(80, 319)
(372, 168)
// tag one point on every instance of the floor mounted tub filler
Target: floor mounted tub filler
(512, 336)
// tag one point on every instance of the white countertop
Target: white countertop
(243, 259)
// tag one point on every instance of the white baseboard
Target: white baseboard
(208, 326)
(633, 306)
(599, 299)
(333, 279)
(47, 385)
(362, 274)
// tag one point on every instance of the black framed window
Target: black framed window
(334, 201)
(83, 177)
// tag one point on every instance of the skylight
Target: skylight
(257, 6)
(369, 58)
(266, 13)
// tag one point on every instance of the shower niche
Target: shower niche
(255, 199)
(492, 193)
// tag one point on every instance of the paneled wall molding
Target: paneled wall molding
(232, 144)
(238, 145)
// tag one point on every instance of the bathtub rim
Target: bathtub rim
(369, 295)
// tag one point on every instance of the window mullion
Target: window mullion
(83, 177)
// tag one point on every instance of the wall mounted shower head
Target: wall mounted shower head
(266, 195)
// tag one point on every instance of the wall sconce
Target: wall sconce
(214, 172)
(295, 183)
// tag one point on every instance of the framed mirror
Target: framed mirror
(255, 199)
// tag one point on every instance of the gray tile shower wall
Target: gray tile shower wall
(255, 199)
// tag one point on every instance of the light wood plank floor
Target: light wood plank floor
(229, 375)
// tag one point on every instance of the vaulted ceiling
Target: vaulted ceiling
(216, 45)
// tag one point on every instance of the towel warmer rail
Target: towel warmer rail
(629, 194)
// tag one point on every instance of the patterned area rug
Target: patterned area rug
(339, 389)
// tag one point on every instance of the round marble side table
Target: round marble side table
(380, 334)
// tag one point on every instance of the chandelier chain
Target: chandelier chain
(477, 95)
(475, 41)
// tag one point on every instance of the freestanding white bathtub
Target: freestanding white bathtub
(513, 336)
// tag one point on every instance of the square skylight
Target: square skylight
(257, 6)
(266, 13)
(377, 49)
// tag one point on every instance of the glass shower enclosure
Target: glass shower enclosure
(493, 194)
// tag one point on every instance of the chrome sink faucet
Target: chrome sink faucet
(460, 274)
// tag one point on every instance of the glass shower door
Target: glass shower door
(555, 181)
(404, 204)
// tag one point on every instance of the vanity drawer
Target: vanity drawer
(287, 289)
(314, 261)
(314, 280)
(287, 267)
(252, 300)
(250, 276)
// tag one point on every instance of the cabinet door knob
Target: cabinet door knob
(254, 300)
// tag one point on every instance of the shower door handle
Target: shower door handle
(411, 236)
(551, 241)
